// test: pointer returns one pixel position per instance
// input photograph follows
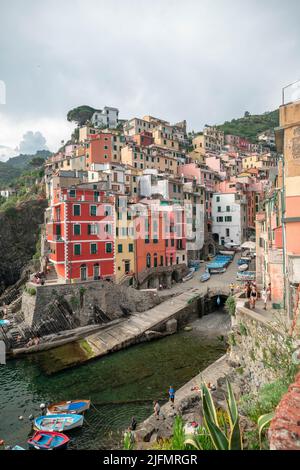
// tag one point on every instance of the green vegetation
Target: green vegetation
(81, 114)
(30, 290)
(251, 125)
(230, 305)
(265, 402)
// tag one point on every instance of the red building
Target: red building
(143, 139)
(80, 232)
(99, 148)
(160, 236)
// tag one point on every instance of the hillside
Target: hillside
(251, 125)
(8, 173)
(22, 161)
(16, 166)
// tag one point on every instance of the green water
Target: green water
(120, 386)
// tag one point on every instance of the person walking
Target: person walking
(156, 409)
(253, 297)
(231, 288)
(264, 297)
(269, 292)
(172, 395)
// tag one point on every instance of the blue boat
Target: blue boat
(73, 406)
(47, 440)
(205, 277)
(58, 422)
(16, 447)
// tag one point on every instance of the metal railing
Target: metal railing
(293, 91)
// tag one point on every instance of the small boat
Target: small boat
(58, 422)
(4, 322)
(70, 407)
(16, 447)
(217, 270)
(189, 276)
(47, 440)
(205, 277)
(243, 267)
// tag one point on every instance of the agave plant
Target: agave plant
(223, 436)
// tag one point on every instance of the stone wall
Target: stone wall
(284, 432)
(83, 304)
(255, 342)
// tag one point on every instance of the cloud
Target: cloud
(31, 142)
(203, 61)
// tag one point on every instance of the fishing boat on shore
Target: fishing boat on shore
(243, 267)
(48, 440)
(205, 277)
(58, 422)
(70, 407)
(189, 276)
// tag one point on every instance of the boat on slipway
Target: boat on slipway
(58, 422)
(70, 407)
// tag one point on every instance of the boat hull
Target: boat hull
(58, 422)
(47, 440)
(69, 407)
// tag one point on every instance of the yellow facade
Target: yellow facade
(124, 244)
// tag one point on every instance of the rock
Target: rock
(284, 431)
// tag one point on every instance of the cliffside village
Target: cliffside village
(136, 201)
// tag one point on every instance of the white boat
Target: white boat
(243, 267)
(58, 422)
(189, 276)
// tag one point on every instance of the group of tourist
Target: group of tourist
(252, 294)
(39, 278)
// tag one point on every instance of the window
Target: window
(107, 211)
(218, 199)
(93, 248)
(148, 260)
(93, 210)
(227, 208)
(167, 243)
(228, 218)
(72, 192)
(227, 232)
(161, 260)
(77, 250)
(76, 229)
(155, 260)
(92, 229)
(76, 210)
(108, 248)
(130, 247)
(108, 229)
(120, 248)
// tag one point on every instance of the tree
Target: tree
(81, 114)
(37, 162)
(247, 114)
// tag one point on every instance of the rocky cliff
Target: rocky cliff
(19, 233)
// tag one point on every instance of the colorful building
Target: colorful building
(80, 233)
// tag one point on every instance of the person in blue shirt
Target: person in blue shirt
(172, 395)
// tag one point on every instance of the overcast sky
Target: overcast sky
(205, 61)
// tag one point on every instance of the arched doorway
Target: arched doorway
(83, 272)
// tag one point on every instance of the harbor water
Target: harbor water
(121, 385)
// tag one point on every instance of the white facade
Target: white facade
(109, 117)
(7, 192)
(229, 218)
(150, 184)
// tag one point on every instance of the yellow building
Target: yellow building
(124, 242)
(152, 157)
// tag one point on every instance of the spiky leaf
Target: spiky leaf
(235, 439)
(208, 405)
(218, 438)
(262, 423)
(232, 406)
